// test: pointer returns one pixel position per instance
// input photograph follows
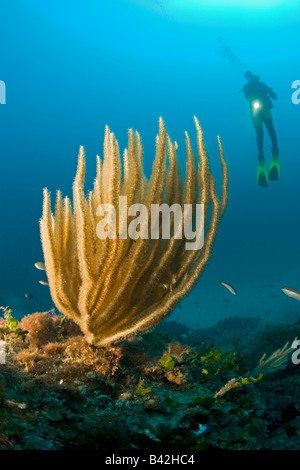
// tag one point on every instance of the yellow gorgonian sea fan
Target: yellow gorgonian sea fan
(118, 286)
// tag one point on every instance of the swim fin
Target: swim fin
(262, 175)
(274, 169)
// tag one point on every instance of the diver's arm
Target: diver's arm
(272, 93)
(269, 91)
(246, 91)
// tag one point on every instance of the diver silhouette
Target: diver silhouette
(259, 97)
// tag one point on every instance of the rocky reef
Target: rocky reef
(173, 388)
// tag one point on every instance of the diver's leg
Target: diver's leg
(272, 133)
(260, 142)
(274, 168)
(262, 175)
(258, 126)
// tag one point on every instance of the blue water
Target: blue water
(70, 68)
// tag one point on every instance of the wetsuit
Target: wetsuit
(258, 94)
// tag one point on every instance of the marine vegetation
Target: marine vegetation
(148, 392)
(118, 286)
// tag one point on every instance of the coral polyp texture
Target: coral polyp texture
(118, 286)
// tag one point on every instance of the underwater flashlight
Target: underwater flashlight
(256, 105)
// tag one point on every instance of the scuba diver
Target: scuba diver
(259, 96)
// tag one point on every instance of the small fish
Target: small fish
(28, 295)
(44, 283)
(230, 288)
(197, 304)
(40, 265)
(291, 293)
